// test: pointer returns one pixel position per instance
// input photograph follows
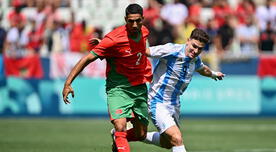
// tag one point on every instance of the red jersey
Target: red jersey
(16, 18)
(127, 64)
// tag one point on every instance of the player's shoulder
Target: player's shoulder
(145, 30)
(117, 32)
(180, 46)
(176, 47)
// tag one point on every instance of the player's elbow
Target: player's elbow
(91, 57)
(88, 59)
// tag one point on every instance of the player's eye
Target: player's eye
(132, 21)
(197, 47)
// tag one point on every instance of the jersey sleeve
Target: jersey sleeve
(161, 50)
(103, 49)
(198, 63)
(145, 31)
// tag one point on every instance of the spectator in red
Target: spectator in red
(35, 37)
(245, 8)
(79, 37)
(52, 14)
(41, 15)
(221, 9)
(15, 16)
(194, 13)
(152, 12)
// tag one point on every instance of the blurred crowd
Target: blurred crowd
(45, 30)
(237, 32)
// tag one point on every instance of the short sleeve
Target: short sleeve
(198, 63)
(103, 49)
(162, 50)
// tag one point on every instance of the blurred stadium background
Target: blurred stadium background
(41, 40)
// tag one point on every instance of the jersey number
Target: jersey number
(139, 55)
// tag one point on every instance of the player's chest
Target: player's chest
(184, 70)
(127, 49)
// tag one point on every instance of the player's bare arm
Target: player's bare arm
(206, 71)
(67, 89)
(147, 52)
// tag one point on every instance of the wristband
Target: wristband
(214, 74)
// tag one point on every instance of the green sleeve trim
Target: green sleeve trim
(94, 53)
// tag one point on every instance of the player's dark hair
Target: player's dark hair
(134, 9)
(200, 35)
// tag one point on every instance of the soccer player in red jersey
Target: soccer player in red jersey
(128, 70)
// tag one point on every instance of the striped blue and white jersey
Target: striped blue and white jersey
(172, 73)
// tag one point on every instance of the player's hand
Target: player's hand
(66, 91)
(94, 41)
(218, 76)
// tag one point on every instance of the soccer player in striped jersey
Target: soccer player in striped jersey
(173, 72)
(128, 71)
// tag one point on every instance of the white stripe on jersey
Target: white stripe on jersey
(172, 73)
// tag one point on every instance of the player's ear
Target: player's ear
(189, 40)
(126, 19)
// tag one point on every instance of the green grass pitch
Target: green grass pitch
(92, 135)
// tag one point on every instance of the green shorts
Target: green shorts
(128, 102)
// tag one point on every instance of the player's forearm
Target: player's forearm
(78, 68)
(205, 71)
(148, 52)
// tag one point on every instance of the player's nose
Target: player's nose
(134, 25)
(196, 50)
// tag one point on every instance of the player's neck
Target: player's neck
(136, 36)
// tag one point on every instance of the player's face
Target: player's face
(194, 48)
(134, 23)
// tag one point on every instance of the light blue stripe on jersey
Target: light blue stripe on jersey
(180, 82)
(153, 109)
(159, 96)
(170, 63)
(154, 63)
